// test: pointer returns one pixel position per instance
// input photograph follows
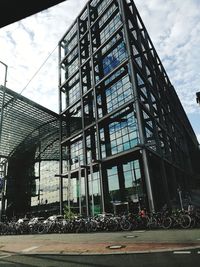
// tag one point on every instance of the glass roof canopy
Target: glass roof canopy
(25, 124)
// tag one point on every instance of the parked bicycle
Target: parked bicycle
(102, 223)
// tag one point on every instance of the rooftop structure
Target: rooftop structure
(24, 122)
(29, 137)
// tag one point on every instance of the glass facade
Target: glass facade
(120, 111)
(119, 136)
(98, 92)
(125, 182)
(46, 186)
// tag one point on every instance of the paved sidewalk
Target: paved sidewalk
(99, 243)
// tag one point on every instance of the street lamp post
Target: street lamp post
(198, 97)
(3, 98)
(1, 120)
(180, 197)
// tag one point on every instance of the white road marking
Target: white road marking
(115, 246)
(29, 249)
(182, 252)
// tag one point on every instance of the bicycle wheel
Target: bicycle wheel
(113, 226)
(185, 221)
(135, 225)
(93, 226)
(193, 222)
(167, 223)
(41, 229)
(125, 225)
(152, 223)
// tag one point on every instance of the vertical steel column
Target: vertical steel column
(39, 171)
(82, 120)
(2, 207)
(3, 99)
(137, 104)
(86, 192)
(96, 113)
(91, 175)
(60, 168)
(69, 180)
(79, 185)
(60, 137)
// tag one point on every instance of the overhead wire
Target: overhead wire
(38, 70)
(10, 104)
(34, 75)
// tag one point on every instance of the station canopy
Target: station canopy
(26, 124)
(19, 9)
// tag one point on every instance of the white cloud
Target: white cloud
(25, 45)
(174, 28)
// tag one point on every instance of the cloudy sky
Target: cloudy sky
(173, 25)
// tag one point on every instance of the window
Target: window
(119, 93)
(113, 59)
(123, 135)
(109, 61)
(132, 179)
(113, 181)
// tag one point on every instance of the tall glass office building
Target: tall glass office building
(125, 137)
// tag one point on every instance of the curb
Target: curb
(108, 253)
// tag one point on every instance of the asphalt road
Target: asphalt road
(189, 258)
(98, 242)
(158, 248)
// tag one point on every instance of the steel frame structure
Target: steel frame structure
(165, 136)
(21, 118)
(29, 134)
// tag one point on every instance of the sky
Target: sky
(29, 48)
